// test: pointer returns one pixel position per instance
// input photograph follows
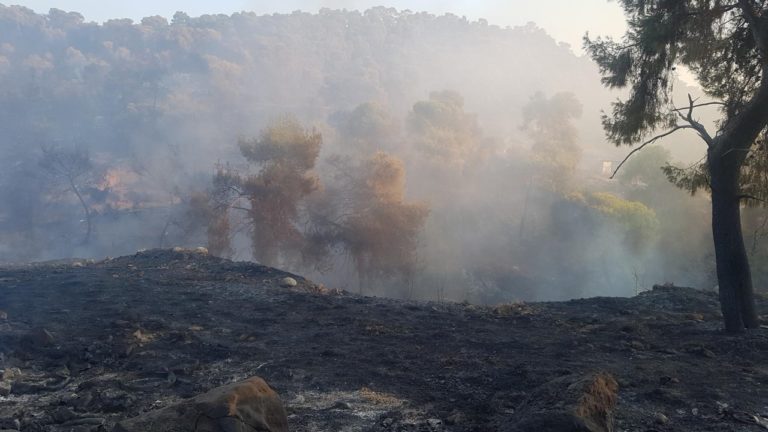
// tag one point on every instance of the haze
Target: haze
(439, 150)
(568, 24)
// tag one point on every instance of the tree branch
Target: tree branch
(701, 105)
(752, 197)
(650, 141)
(700, 129)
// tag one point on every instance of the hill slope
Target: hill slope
(132, 334)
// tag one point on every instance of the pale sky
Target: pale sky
(565, 20)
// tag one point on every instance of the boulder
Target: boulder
(246, 406)
(288, 282)
(569, 404)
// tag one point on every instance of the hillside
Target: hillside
(87, 344)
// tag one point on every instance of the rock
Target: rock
(38, 338)
(5, 388)
(201, 250)
(288, 282)
(569, 404)
(660, 418)
(341, 405)
(3, 315)
(434, 424)
(11, 374)
(245, 406)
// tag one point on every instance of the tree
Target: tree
(368, 128)
(443, 131)
(284, 154)
(725, 44)
(369, 217)
(74, 169)
(548, 121)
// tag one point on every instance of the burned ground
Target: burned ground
(87, 344)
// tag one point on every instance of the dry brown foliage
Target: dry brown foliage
(379, 228)
(285, 153)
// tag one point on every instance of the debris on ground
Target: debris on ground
(85, 347)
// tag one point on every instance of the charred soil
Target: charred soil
(84, 345)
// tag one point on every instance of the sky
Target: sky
(565, 20)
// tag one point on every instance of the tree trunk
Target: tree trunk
(733, 274)
(86, 211)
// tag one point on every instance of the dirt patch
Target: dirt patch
(85, 345)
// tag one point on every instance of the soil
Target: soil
(84, 345)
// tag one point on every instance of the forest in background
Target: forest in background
(386, 151)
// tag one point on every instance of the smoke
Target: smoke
(478, 151)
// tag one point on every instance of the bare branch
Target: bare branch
(701, 105)
(650, 141)
(751, 197)
(700, 129)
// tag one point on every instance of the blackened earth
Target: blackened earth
(87, 344)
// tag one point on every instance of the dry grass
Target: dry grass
(378, 398)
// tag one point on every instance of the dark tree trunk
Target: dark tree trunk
(733, 273)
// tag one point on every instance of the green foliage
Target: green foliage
(285, 143)
(710, 37)
(548, 121)
(692, 178)
(368, 128)
(644, 167)
(637, 221)
(443, 130)
(754, 175)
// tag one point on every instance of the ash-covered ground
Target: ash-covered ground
(84, 345)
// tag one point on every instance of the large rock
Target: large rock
(246, 406)
(569, 404)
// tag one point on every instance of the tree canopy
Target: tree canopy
(725, 44)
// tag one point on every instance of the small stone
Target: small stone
(637, 345)
(288, 282)
(434, 424)
(668, 380)
(341, 405)
(455, 418)
(660, 418)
